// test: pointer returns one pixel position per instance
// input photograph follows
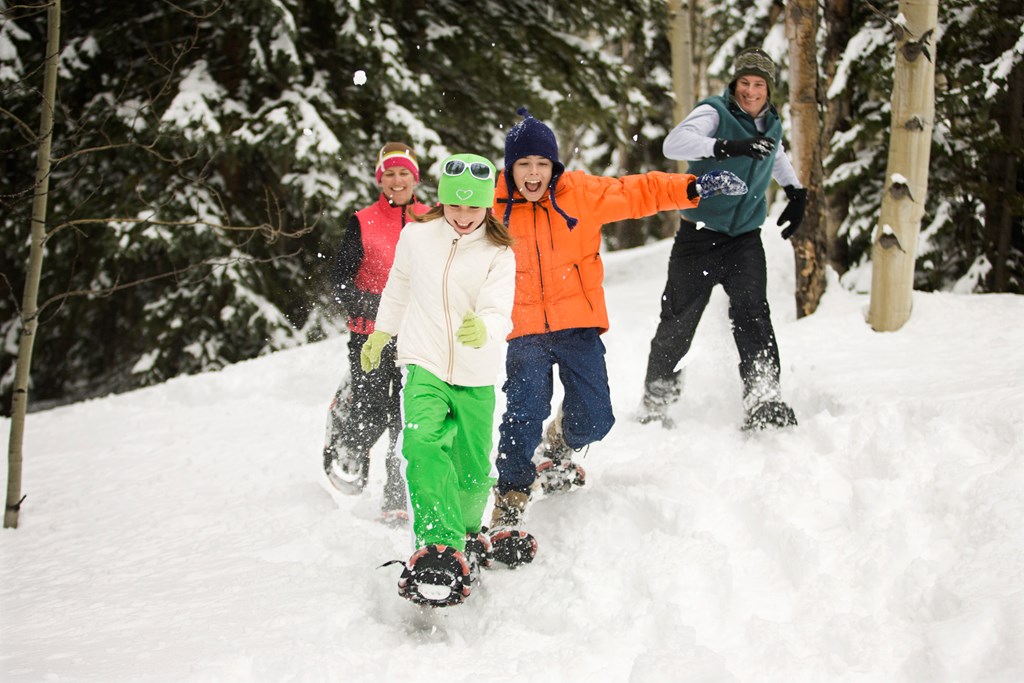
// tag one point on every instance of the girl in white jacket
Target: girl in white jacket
(448, 299)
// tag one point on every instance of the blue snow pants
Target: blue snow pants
(529, 386)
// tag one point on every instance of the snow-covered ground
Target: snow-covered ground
(183, 533)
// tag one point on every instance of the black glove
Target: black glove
(794, 211)
(758, 148)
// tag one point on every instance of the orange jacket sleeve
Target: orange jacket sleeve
(608, 200)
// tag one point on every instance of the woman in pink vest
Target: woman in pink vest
(366, 405)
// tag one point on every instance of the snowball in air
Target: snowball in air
(359, 77)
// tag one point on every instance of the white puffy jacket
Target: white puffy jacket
(437, 277)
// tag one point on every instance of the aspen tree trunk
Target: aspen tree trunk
(810, 251)
(894, 248)
(29, 311)
(681, 38)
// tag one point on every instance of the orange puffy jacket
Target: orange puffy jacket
(559, 274)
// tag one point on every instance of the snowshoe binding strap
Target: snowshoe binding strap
(348, 471)
(435, 576)
(513, 547)
(560, 476)
(770, 415)
(478, 554)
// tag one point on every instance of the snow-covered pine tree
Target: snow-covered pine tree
(148, 160)
(975, 185)
(857, 98)
(271, 111)
(973, 237)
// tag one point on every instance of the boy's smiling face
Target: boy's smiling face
(532, 175)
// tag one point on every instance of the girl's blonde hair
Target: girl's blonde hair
(497, 232)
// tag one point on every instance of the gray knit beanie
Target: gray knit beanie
(753, 61)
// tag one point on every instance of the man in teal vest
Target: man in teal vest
(720, 243)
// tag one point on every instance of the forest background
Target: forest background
(206, 154)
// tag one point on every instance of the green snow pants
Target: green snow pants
(446, 442)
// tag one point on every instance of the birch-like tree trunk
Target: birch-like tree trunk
(894, 247)
(29, 321)
(810, 252)
(680, 33)
(684, 82)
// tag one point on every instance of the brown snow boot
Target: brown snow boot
(556, 472)
(508, 510)
(510, 545)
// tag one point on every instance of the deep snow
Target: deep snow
(182, 532)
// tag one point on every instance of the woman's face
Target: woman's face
(464, 219)
(532, 175)
(751, 94)
(397, 184)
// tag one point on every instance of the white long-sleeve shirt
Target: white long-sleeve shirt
(437, 277)
(694, 138)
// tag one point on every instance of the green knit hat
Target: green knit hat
(754, 61)
(466, 180)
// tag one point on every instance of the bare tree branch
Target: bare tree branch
(271, 232)
(211, 264)
(31, 10)
(192, 14)
(26, 130)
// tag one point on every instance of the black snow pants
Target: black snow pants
(367, 403)
(700, 260)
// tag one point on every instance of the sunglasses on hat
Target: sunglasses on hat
(457, 167)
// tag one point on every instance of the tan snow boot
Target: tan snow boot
(508, 510)
(509, 545)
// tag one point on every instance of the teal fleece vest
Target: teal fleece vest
(737, 215)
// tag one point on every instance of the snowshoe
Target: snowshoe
(558, 476)
(347, 471)
(556, 472)
(513, 547)
(769, 415)
(435, 576)
(478, 554)
(394, 518)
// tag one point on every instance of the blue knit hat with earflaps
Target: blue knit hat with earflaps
(526, 138)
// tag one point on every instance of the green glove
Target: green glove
(369, 357)
(472, 331)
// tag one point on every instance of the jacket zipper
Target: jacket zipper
(540, 265)
(447, 311)
(579, 276)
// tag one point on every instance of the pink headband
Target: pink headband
(393, 159)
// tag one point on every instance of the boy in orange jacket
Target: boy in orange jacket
(555, 218)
